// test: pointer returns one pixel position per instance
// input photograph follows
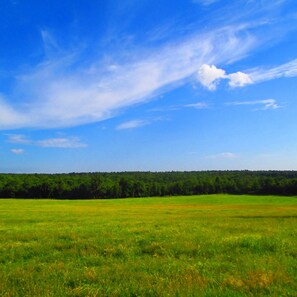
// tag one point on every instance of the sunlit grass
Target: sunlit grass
(216, 245)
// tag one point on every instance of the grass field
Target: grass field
(216, 245)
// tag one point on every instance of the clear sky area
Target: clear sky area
(120, 85)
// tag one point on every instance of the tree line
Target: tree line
(146, 184)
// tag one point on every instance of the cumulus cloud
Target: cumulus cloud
(239, 79)
(210, 75)
(266, 104)
(17, 151)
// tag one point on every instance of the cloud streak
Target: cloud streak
(59, 142)
(70, 142)
(288, 69)
(198, 105)
(226, 155)
(266, 103)
(205, 2)
(132, 124)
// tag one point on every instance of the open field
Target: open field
(216, 245)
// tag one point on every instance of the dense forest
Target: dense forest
(145, 184)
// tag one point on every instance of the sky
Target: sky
(147, 85)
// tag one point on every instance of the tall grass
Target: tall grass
(216, 245)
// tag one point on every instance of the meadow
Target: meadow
(212, 245)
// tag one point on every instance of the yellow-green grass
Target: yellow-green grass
(217, 245)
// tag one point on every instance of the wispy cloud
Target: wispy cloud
(210, 76)
(17, 151)
(226, 155)
(265, 104)
(68, 90)
(61, 92)
(132, 124)
(59, 142)
(166, 108)
(177, 107)
(18, 138)
(70, 142)
(9, 116)
(285, 70)
(49, 43)
(205, 2)
(198, 105)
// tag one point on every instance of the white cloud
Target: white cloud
(59, 93)
(9, 116)
(49, 43)
(198, 105)
(226, 155)
(59, 142)
(132, 124)
(209, 76)
(70, 142)
(18, 138)
(67, 90)
(166, 108)
(17, 151)
(205, 2)
(285, 70)
(266, 104)
(239, 79)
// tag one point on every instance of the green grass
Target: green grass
(218, 245)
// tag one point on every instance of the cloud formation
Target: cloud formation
(67, 89)
(18, 138)
(17, 151)
(61, 92)
(210, 76)
(205, 2)
(59, 142)
(266, 104)
(132, 124)
(69, 142)
(226, 155)
(198, 105)
(239, 79)
(288, 69)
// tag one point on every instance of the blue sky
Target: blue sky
(124, 85)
